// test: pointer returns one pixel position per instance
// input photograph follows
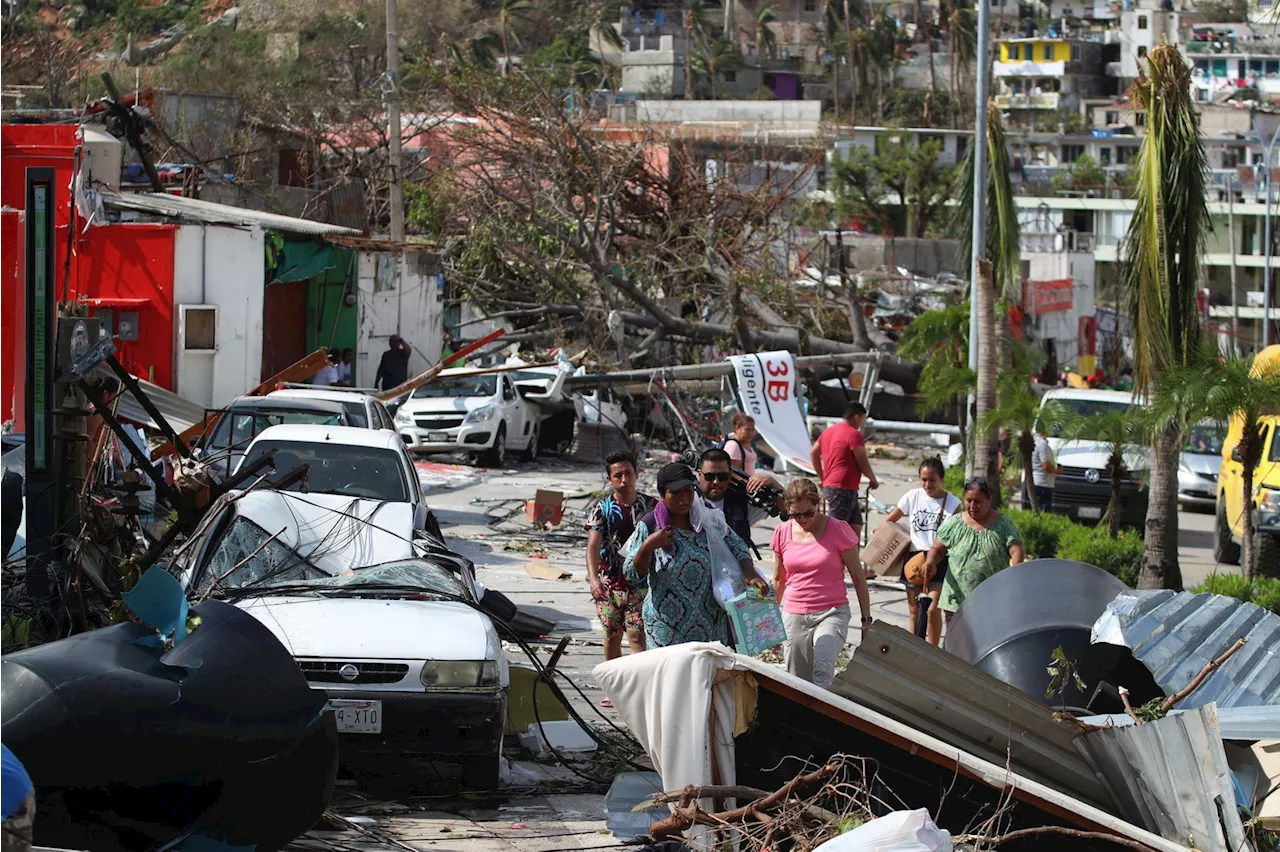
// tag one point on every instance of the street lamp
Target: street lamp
(1267, 147)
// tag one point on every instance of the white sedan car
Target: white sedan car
(362, 410)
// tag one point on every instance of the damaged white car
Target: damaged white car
(378, 614)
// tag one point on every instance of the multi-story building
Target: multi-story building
(1042, 78)
(1231, 57)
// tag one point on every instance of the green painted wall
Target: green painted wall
(325, 305)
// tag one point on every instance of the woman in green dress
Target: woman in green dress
(978, 543)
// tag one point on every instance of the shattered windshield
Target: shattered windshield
(371, 473)
(409, 576)
(247, 555)
(458, 386)
(1206, 439)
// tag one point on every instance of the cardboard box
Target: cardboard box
(546, 507)
(757, 623)
(887, 549)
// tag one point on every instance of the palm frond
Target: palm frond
(1002, 230)
(1163, 248)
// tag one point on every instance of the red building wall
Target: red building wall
(123, 267)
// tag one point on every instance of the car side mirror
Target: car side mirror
(1235, 454)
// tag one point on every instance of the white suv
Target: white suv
(470, 411)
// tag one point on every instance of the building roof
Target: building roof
(207, 212)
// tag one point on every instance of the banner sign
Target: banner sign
(1051, 296)
(768, 390)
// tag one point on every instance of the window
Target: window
(811, 5)
(1273, 67)
(731, 76)
(1048, 53)
(1142, 22)
(371, 473)
(1142, 51)
(1075, 53)
(1125, 155)
(386, 272)
(1104, 156)
(293, 168)
(1071, 153)
(1112, 117)
(458, 387)
(1013, 53)
(1140, 119)
(508, 392)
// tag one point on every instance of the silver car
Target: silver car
(1198, 465)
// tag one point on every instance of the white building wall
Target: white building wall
(414, 309)
(222, 267)
(1063, 326)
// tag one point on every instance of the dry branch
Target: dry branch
(982, 840)
(688, 813)
(1172, 700)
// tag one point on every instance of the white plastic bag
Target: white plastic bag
(900, 831)
(727, 581)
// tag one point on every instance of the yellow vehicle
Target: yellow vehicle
(1265, 502)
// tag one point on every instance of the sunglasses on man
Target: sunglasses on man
(718, 476)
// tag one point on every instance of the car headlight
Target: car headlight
(404, 418)
(459, 674)
(481, 414)
(1269, 500)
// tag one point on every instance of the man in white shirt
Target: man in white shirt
(1044, 469)
(344, 367)
(328, 374)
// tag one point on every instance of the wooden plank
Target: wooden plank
(297, 371)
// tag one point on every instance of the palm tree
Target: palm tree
(1159, 278)
(1002, 230)
(1118, 430)
(763, 36)
(833, 42)
(962, 47)
(508, 12)
(939, 340)
(1018, 409)
(696, 29)
(1214, 385)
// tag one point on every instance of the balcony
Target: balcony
(1245, 45)
(1029, 69)
(1046, 100)
(1056, 241)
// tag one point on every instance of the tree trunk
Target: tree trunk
(835, 86)
(740, 327)
(1026, 446)
(853, 79)
(1160, 552)
(1249, 555)
(857, 319)
(1115, 470)
(985, 399)
(688, 56)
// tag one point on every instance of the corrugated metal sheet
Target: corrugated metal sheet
(1176, 634)
(192, 209)
(907, 679)
(1242, 724)
(1172, 776)
(181, 412)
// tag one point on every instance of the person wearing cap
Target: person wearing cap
(671, 552)
(17, 802)
(393, 369)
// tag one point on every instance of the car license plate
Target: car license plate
(357, 717)
(1090, 513)
(437, 436)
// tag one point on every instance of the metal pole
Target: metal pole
(979, 174)
(1231, 239)
(1266, 245)
(396, 194)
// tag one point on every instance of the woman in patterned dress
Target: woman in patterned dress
(674, 559)
(978, 542)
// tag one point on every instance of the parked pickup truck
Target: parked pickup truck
(470, 411)
(1083, 490)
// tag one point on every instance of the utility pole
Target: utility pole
(396, 194)
(979, 241)
(1267, 247)
(1231, 240)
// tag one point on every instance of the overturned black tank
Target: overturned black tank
(1011, 624)
(134, 745)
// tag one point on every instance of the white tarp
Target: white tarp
(768, 388)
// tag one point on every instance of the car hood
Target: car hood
(1094, 454)
(1201, 462)
(365, 629)
(445, 404)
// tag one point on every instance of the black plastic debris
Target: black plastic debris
(133, 743)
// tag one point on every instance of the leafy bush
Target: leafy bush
(1121, 556)
(1263, 591)
(1041, 534)
(953, 480)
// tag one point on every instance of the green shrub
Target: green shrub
(1121, 556)
(1263, 591)
(1041, 533)
(1232, 585)
(953, 480)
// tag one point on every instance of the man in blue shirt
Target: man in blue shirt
(17, 803)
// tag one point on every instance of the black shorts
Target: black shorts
(843, 505)
(935, 580)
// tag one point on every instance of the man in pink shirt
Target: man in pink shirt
(839, 459)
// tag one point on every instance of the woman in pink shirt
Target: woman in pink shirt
(812, 552)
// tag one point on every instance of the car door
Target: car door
(513, 413)
(379, 411)
(1229, 477)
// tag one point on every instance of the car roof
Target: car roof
(350, 436)
(270, 403)
(1080, 393)
(320, 393)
